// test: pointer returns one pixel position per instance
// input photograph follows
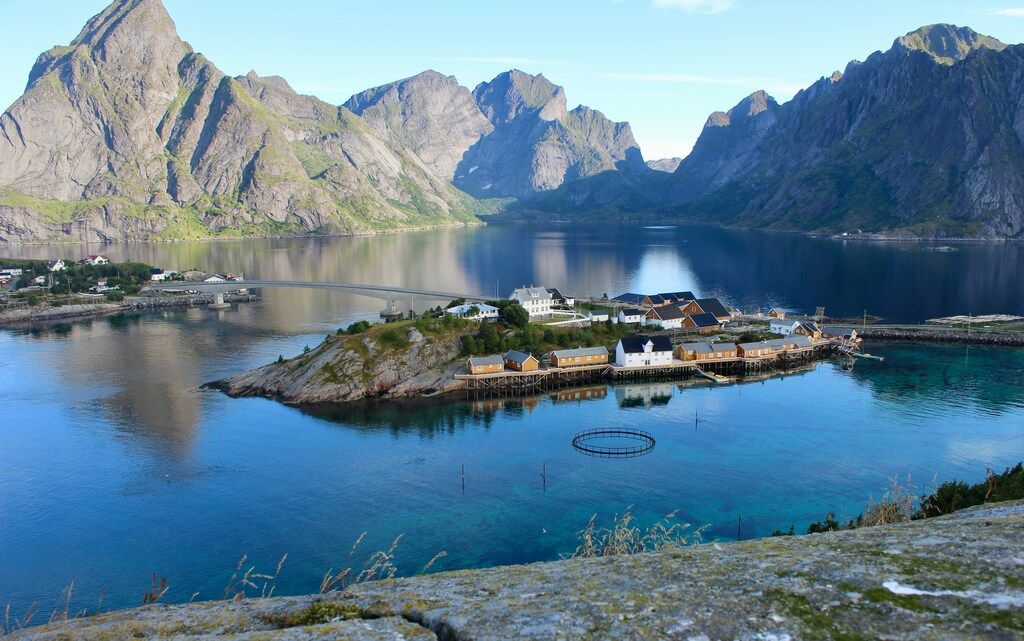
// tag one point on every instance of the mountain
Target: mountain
(512, 137)
(926, 139)
(667, 165)
(129, 134)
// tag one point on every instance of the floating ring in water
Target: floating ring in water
(643, 442)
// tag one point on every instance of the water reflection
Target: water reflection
(902, 282)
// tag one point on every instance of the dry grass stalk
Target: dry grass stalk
(896, 506)
(625, 538)
(437, 557)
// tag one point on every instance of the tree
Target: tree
(515, 314)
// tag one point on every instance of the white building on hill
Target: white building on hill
(535, 300)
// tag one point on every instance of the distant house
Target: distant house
(39, 280)
(485, 364)
(636, 351)
(96, 259)
(102, 285)
(10, 272)
(714, 306)
(535, 300)
(665, 317)
(579, 357)
(777, 313)
(782, 326)
(159, 275)
(705, 351)
(809, 329)
(704, 323)
(56, 265)
(521, 361)
(677, 297)
(837, 332)
(216, 278)
(776, 346)
(477, 311)
(694, 351)
(631, 316)
(557, 298)
(598, 316)
(642, 300)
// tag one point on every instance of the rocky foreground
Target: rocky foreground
(385, 361)
(955, 577)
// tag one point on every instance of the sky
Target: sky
(661, 65)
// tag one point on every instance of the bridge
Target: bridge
(383, 292)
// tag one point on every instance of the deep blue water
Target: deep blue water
(114, 466)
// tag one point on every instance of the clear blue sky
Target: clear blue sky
(663, 65)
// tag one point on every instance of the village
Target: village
(671, 334)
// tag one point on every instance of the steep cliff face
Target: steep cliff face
(537, 144)
(129, 119)
(925, 137)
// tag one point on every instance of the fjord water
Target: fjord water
(113, 466)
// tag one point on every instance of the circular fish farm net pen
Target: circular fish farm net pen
(635, 442)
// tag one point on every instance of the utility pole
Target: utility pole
(865, 325)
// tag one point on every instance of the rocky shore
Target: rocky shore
(385, 361)
(944, 335)
(132, 303)
(953, 577)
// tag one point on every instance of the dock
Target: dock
(547, 378)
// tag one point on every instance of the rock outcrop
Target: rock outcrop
(667, 165)
(386, 361)
(925, 138)
(954, 577)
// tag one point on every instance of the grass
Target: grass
(623, 537)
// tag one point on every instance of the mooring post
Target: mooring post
(463, 477)
(544, 474)
(739, 523)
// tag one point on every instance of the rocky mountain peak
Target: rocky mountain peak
(514, 92)
(753, 105)
(946, 43)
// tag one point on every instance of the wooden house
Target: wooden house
(809, 329)
(677, 297)
(777, 313)
(579, 357)
(836, 332)
(485, 364)
(521, 361)
(631, 316)
(704, 323)
(694, 351)
(724, 350)
(713, 306)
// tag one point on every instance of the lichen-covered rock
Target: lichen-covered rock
(955, 577)
(387, 361)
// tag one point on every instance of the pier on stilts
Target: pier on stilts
(546, 379)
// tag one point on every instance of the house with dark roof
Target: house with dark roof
(521, 361)
(665, 317)
(639, 351)
(714, 306)
(705, 322)
(485, 364)
(677, 297)
(631, 316)
(558, 298)
(838, 332)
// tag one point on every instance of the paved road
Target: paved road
(383, 292)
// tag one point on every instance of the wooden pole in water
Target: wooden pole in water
(463, 477)
(739, 523)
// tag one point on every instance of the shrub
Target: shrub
(358, 327)
(114, 297)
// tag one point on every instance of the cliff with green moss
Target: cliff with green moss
(953, 577)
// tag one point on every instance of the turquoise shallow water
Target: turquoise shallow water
(114, 466)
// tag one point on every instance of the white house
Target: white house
(598, 316)
(782, 326)
(56, 265)
(102, 286)
(665, 317)
(631, 316)
(558, 298)
(535, 300)
(636, 351)
(158, 275)
(96, 259)
(216, 278)
(39, 280)
(479, 311)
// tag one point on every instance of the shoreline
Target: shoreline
(86, 310)
(942, 335)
